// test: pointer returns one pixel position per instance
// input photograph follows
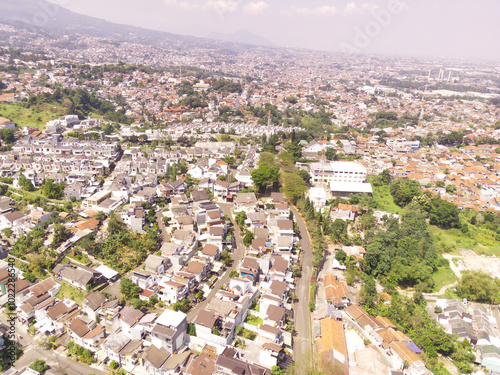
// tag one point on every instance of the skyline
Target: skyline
(393, 28)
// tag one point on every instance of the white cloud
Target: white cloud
(323, 10)
(222, 6)
(368, 6)
(181, 4)
(256, 7)
(352, 8)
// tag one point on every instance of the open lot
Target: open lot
(470, 261)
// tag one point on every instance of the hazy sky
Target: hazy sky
(441, 28)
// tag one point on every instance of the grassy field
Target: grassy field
(451, 240)
(34, 116)
(70, 292)
(444, 276)
(235, 137)
(383, 197)
(254, 320)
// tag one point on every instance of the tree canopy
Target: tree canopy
(403, 253)
(403, 191)
(478, 286)
(444, 214)
(52, 190)
(264, 177)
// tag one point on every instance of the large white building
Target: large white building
(338, 171)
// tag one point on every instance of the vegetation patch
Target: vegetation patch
(70, 292)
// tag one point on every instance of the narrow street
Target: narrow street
(302, 346)
(237, 256)
(56, 361)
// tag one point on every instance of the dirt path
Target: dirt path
(455, 270)
(453, 267)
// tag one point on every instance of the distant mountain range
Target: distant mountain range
(48, 19)
(243, 36)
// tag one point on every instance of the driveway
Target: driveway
(238, 254)
(302, 346)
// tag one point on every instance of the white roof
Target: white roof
(107, 272)
(171, 318)
(351, 187)
(344, 166)
(317, 192)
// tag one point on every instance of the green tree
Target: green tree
(331, 154)
(403, 191)
(479, 287)
(7, 232)
(248, 237)
(404, 252)
(129, 290)
(368, 293)
(384, 178)
(240, 219)
(61, 234)
(100, 216)
(295, 150)
(444, 214)
(305, 175)
(341, 256)
(115, 226)
(52, 190)
(233, 274)
(199, 295)
(186, 304)
(191, 330)
(176, 306)
(8, 135)
(338, 231)
(294, 187)
(24, 183)
(40, 366)
(263, 177)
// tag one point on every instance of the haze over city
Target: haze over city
(430, 28)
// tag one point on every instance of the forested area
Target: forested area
(80, 102)
(402, 253)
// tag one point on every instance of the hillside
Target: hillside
(51, 20)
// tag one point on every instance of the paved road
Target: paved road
(56, 361)
(238, 254)
(164, 237)
(302, 345)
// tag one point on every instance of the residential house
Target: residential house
(229, 362)
(79, 276)
(210, 253)
(129, 319)
(169, 331)
(245, 202)
(156, 263)
(92, 303)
